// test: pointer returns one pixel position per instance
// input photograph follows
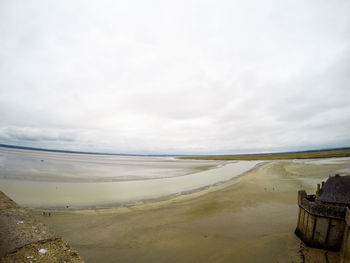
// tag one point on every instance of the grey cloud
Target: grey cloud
(36, 135)
(170, 77)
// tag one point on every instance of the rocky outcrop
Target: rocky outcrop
(25, 239)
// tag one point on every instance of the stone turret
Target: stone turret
(322, 217)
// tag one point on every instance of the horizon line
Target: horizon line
(175, 155)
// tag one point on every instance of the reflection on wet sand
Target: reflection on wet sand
(46, 187)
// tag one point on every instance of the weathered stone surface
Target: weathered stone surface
(320, 233)
(25, 239)
(19, 228)
(56, 250)
(336, 233)
(330, 211)
(320, 225)
(345, 250)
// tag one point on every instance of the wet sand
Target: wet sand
(247, 219)
(38, 179)
(58, 167)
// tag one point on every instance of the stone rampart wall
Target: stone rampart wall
(345, 249)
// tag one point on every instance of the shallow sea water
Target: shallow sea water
(59, 180)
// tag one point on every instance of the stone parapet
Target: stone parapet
(317, 209)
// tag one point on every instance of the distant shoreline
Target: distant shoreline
(82, 152)
(328, 153)
(308, 154)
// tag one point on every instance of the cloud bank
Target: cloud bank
(192, 77)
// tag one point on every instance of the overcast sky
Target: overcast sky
(191, 77)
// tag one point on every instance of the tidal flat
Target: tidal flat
(249, 218)
(52, 180)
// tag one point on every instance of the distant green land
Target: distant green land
(343, 152)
